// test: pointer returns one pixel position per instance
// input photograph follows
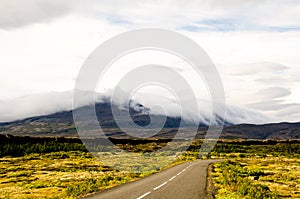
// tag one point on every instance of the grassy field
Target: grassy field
(31, 170)
(257, 171)
(56, 175)
(60, 175)
(67, 170)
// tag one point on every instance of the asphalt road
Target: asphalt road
(184, 181)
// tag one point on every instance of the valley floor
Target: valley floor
(66, 170)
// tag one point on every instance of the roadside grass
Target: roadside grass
(72, 174)
(56, 175)
(234, 181)
(251, 173)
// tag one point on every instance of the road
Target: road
(184, 181)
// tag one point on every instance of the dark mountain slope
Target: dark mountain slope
(62, 124)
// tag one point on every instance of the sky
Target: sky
(254, 44)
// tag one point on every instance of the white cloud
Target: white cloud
(44, 43)
(273, 92)
(259, 68)
(173, 14)
(16, 13)
(48, 103)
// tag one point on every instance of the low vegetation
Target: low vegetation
(257, 171)
(67, 170)
(56, 175)
(52, 169)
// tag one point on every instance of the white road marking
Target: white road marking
(142, 196)
(172, 178)
(159, 186)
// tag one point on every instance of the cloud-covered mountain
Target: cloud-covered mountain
(52, 115)
(51, 103)
(62, 124)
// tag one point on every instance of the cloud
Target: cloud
(295, 76)
(42, 104)
(270, 81)
(44, 43)
(192, 15)
(261, 68)
(18, 13)
(268, 87)
(270, 105)
(273, 92)
(33, 105)
(215, 15)
(279, 109)
(272, 101)
(290, 111)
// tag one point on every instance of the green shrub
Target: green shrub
(88, 186)
(235, 179)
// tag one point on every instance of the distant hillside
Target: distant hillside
(61, 124)
(265, 131)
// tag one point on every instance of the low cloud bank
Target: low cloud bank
(43, 104)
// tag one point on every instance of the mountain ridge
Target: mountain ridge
(62, 124)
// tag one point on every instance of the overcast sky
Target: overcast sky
(254, 44)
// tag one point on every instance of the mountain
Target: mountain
(280, 131)
(62, 124)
